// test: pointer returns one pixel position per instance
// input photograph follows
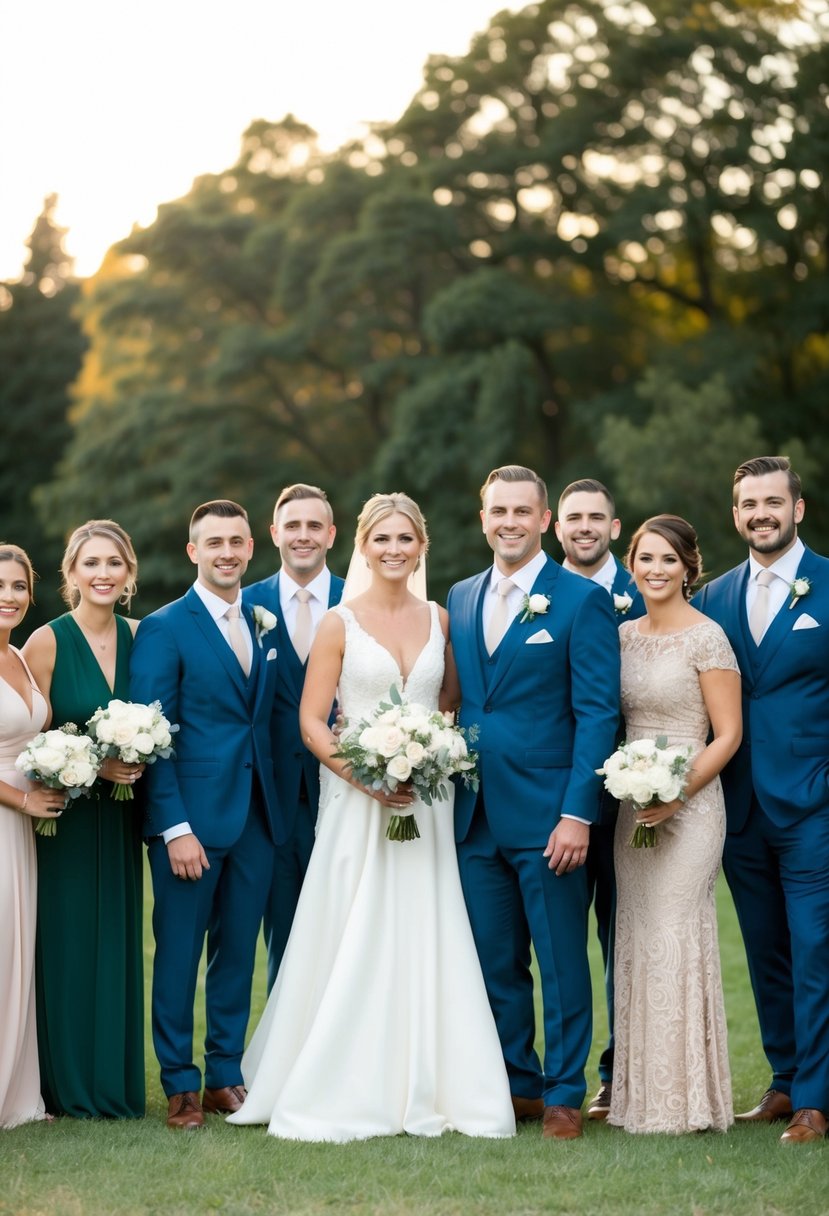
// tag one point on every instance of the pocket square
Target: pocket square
(804, 621)
(535, 638)
(271, 654)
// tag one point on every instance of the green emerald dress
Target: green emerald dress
(89, 977)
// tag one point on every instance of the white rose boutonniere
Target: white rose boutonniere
(533, 606)
(265, 621)
(622, 603)
(799, 588)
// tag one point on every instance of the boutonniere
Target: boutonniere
(264, 620)
(799, 588)
(622, 603)
(533, 606)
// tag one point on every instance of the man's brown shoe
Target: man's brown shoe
(806, 1125)
(224, 1101)
(184, 1111)
(599, 1108)
(773, 1106)
(527, 1108)
(561, 1123)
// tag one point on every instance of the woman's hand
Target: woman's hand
(119, 772)
(653, 815)
(402, 797)
(43, 803)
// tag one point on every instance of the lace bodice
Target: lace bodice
(660, 680)
(369, 670)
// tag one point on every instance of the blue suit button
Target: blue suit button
(248, 764)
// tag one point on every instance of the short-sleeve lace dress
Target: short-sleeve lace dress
(671, 1069)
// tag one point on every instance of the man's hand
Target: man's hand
(187, 858)
(567, 846)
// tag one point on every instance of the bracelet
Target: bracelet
(25, 801)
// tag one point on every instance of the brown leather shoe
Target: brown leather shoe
(527, 1108)
(224, 1101)
(599, 1108)
(773, 1106)
(184, 1111)
(561, 1123)
(806, 1125)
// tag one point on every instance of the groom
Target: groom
(212, 813)
(537, 652)
(775, 610)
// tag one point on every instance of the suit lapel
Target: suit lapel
(213, 636)
(783, 623)
(292, 671)
(466, 633)
(518, 632)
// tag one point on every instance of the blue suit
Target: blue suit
(601, 876)
(221, 782)
(296, 774)
(547, 714)
(776, 855)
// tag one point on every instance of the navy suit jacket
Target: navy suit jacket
(181, 659)
(784, 755)
(547, 711)
(292, 759)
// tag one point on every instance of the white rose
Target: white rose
(622, 603)
(122, 733)
(538, 604)
(399, 768)
(47, 759)
(370, 738)
(415, 752)
(142, 716)
(161, 735)
(55, 738)
(104, 730)
(71, 775)
(389, 717)
(640, 788)
(143, 743)
(391, 739)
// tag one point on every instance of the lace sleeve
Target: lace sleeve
(711, 649)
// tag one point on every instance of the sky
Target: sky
(116, 107)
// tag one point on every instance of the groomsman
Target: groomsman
(212, 814)
(298, 595)
(585, 527)
(537, 652)
(775, 610)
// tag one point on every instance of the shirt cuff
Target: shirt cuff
(173, 833)
(564, 815)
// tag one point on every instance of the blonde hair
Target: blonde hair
(379, 506)
(13, 553)
(107, 529)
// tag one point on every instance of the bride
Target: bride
(378, 1022)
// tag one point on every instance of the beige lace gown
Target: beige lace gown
(670, 1071)
(20, 1099)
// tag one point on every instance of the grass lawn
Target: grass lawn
(74, 1168)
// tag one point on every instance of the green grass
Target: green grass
(75, 1168)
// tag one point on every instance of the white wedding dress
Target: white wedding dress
(378, 1022)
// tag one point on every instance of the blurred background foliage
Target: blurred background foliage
(595, 244)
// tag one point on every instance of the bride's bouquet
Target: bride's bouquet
(133, 733)
(646, 772)
(63, 759)
(402, 741)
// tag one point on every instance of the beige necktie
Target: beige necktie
(499, 621)
(236, 637)
(759, 615)
(303, 626)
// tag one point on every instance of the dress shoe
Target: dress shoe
(527, 1108)
(224, 1101)
(561, 1123)
(184, 1111)
(599, 1108)
(772, 1106)
(805, 1126)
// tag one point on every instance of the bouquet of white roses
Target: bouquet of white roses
(62, 759)
(402, 741)
(133, 733)
(645, 772)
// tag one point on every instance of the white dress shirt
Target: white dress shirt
(780, 591)
(605, 576)
(217, 607)
(319, 590)
(523, 580)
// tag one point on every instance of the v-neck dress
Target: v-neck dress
(20, 1099)
(89, 974)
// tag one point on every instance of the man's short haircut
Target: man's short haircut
(225, 508)
(587, 485)
(296, 493)
(517, 472)
(760, 466)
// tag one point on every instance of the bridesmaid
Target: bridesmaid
(88, 957)
(23, 712)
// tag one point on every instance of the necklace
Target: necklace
(100, 640)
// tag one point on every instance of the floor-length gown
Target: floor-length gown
(670, 1071)
(20, 1100)
(378, 1022)
(89, 962)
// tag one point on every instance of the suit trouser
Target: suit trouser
(513, 898)
(601, 892)
(226, 903)
(290, 862)
(779, 878)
